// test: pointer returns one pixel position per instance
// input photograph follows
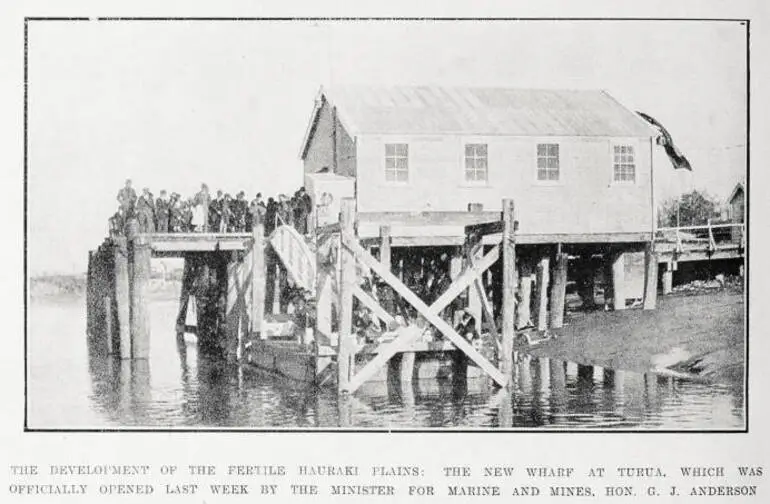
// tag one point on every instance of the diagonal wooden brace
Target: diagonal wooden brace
(431, 313)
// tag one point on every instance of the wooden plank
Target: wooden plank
(509, 289)
(428, 218)
(559, 291)
(430, 313)
(485, 228)
(550, 238)
(368, 301)
(345, 351)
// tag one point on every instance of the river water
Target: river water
(177, 388)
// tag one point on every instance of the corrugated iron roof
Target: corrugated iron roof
(484, 111)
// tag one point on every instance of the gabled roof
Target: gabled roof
(734, 192)
(480, 111)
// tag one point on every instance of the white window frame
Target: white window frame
(559, 158)
(475, 157)
(614, 162)
(395, 157)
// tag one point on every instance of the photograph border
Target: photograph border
(746, 22)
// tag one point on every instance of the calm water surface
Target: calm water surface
(177, 387)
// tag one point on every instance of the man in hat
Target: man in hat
(175, 213)
(240, 208)
(271, 212)
(215, 212)
(162, 212)
(144, 212)
(127, 199)
(227, 214)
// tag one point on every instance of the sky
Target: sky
(174, 104)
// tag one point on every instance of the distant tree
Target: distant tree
(695, 208)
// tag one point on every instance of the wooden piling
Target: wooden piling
(385, 257)
(407, 367)
(559, 290)
(346, 339)
(188, 277)
(258, 281)
(109, 336)
(474, 297)
(650, 277)
(91, 298)
(668, 279)
(523, 310)
(121, 345)
(543, 272)
(234, 307)
(140, 277)
(509, 289)
(619, 281)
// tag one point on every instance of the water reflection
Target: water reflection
(178, 387)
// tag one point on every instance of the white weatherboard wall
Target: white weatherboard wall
(584, 200)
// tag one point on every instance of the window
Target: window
(547, 161)
(623, 167)
(476, 163)
(397, 162)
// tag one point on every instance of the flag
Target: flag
(674, 154)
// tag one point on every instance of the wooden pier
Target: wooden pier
(235, 280)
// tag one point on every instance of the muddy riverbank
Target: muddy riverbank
(700, 334)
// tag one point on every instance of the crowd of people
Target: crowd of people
(204, 213)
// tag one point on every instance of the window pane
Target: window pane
(401, 149)
(552, 163)
(482, 150)
(481, 164)
(553, 149)
(390, 163)
(469, 150)
(541, 150)
(390, 175)
(390, 149)
(553, 175)
(402, 163)
(540, 163)
(402, 176)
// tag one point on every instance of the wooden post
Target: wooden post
(258, 281)
(559, 290)
(188, 277)
(140, 276)
(385, 246)
(91, 298)
(234, 307)
(650, 277)
(618, 281)
(121, 345)
(105, 345)
(346, 339)
(543, 271)
(509, 289)
(407, 366)
(474, 297)
(668, 279)
(523, 309)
